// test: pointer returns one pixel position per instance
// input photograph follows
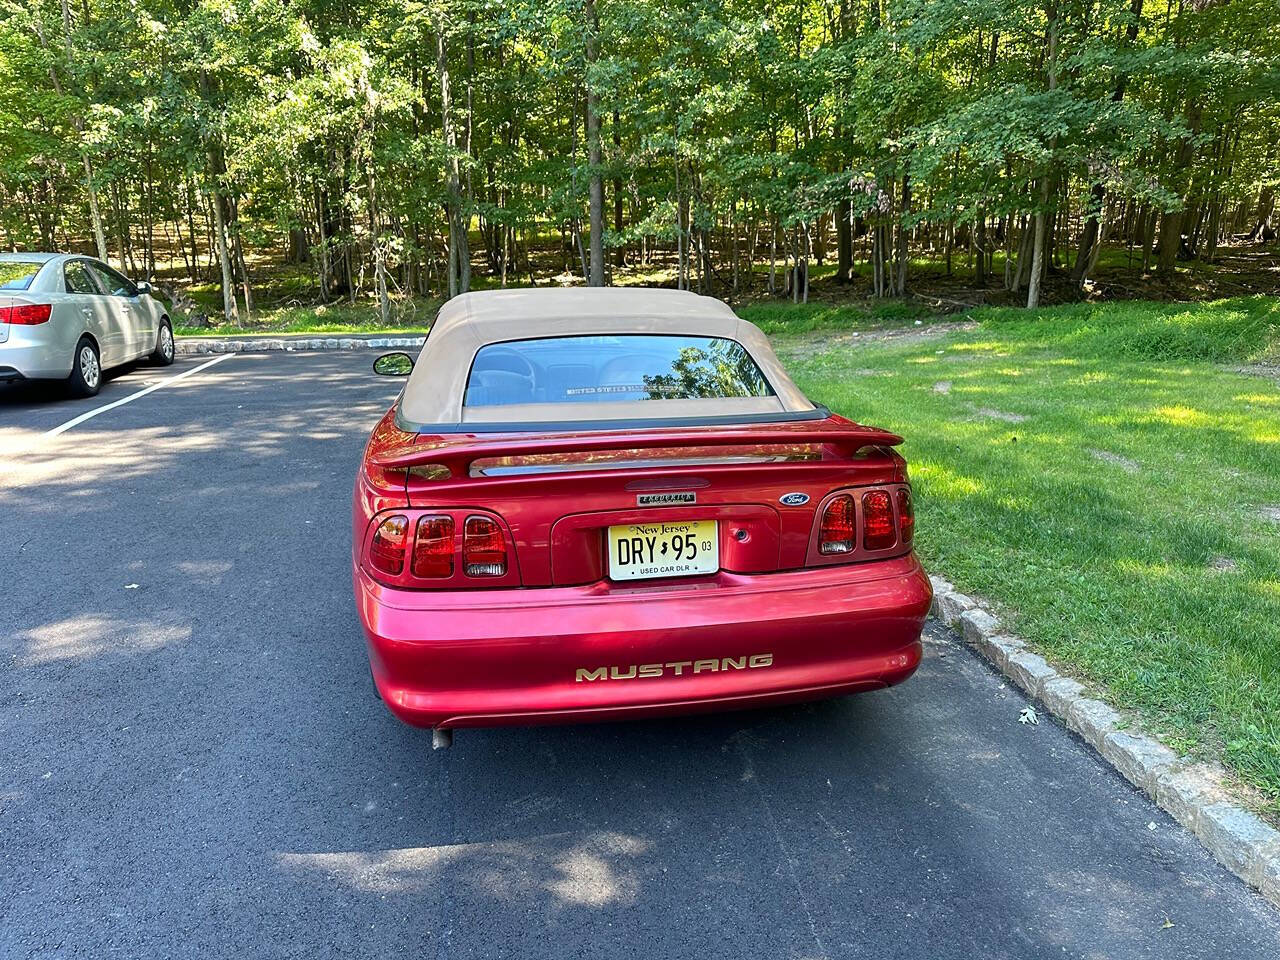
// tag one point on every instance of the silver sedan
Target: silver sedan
(68, 317)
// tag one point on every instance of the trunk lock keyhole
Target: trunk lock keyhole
(741, 535)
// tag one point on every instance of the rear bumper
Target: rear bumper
(30, 357)
(608, 651)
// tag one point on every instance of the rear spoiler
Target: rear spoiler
(457, 453)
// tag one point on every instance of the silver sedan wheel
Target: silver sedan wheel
(166, 344)
(90, 371)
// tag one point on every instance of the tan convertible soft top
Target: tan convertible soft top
(466, 323)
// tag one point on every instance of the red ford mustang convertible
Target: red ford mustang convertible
(600, 504)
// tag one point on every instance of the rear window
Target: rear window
(18, 274)
(610, 369)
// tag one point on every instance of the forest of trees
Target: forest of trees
(394, 147)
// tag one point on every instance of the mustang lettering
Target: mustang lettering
(675, 668)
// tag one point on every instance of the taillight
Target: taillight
(836, 534)
(877, 520)
(484, 548)
(386, 550)
(26, 314)
(906, 515)
(433, 548)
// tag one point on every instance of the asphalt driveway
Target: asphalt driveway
(192, 761)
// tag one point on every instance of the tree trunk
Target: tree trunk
(900, 288)
(844, 242)
(216, 169)
(1266, 204)
(773, 257)
(980, 261)
(582, 253)
(459, 251)
(322, 261)
(1008, 255)
(596, 183)
(733, 229)
(793, 282)
(1089, 239)
(182, 246)
(379, 250)
(620, 252)
(682, 218)
(808, 249)
(1037, 248)
(238, 260)
(191, 230)
(1170, 242)
(1148, 224)
(229, 310)
(380, 275)
(299, 252)
(149, 220)
(1037, 254)
(1171, 222)
(99, 235)
(1027, 227)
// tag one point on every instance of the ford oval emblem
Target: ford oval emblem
(793, 499)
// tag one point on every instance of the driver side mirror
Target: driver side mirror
(143, 287)
(393, 365)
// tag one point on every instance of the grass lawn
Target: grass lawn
(1101, 477)
(342, 318)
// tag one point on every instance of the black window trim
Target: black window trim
(93, 261)
(93, 278)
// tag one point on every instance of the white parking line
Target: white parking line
(64, 427)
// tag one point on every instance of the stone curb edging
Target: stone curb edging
(1194, 794)
(187, 347)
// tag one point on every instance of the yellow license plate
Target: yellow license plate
(641, 551)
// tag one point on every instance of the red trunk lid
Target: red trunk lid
(559, 493)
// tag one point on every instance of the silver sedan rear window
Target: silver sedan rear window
(614, 368)
(18, 274)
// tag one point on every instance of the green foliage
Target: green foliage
(322, 127)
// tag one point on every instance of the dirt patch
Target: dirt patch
(805, 343)
(1271, 513)
(1269, 370)
(1124, 463)
(1001, 415)
(942, 386)
(1224, 564)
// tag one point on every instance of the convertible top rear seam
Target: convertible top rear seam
(560, 426)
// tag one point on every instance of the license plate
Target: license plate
(640, 551)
